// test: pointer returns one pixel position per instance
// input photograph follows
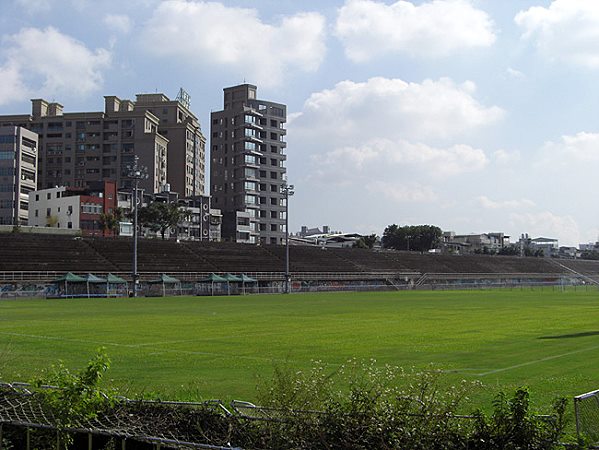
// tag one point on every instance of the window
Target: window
(7, 139)
(274, 188)
(274, 227)
(249, 119)
(263, 200)
(273, 162)
(249, 172)
(273, 123)
(250, 185)
(250, 159)
(37, 212)
(262, 213)
(274, 215)
(48, 196)
(273, 175)
(250, 132)
(48, 212)
(274, 136)
(250, 199)
(7, 155)
(274, 149)
(262, 227)
(262, 186)
(249, 145)
(273, 201)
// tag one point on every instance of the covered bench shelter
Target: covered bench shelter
(116, 286)
(174, 286)
(70, 285)
(212, 278)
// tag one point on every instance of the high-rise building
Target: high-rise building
(247, 166)
(18, 173)
(79, 148)
(186, 143)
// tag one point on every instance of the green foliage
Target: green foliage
(160, 216)
(590, 254)
(77, 395)
(420, 238)
(509, 250)
(366, 241)
(363, 406)
(513, 426)
(110, 221)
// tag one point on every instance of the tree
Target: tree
(159, 216)
(110, 221)
(366, 241)
(420, 238)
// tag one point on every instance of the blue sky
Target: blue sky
(473, 115)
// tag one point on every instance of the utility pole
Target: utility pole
(288, 191)
(136, 173)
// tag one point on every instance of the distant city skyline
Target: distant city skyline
(472, 115)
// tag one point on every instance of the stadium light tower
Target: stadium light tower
(136, 173)
(288, 191)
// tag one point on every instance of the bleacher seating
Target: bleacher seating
(36, 252)
(39, 252)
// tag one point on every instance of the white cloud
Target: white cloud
(514, 73)
(548, 224)
(394, 109)
(35, 6)
(401, 155)
(577, 149)
(44, 6)
(208, 33)
(119, 23)
(435, 28)
(567, 30)
(48, 63)
(402, 193)
(487, 203)
(505, 157)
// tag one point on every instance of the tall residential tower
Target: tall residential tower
(247, 166)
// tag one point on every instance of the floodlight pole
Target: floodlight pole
(288, 191)
(135, 173)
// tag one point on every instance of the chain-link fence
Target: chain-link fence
(586, 408)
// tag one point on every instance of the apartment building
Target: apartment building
(78, 148)
(187, 145)
(74, 208)
(18, 173)
(247, 166)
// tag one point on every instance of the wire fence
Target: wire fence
(27, 423)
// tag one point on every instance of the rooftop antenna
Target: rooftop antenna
(184, 98)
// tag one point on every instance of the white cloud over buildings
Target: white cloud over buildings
(369, 29)
(210, 33)
(46, 62)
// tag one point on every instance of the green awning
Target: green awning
(90, 278)
(213, 278)
(70, 278)
(246, 279)
(165, 279)
(231, 277)
(113, 279)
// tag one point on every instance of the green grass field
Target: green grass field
(204, 347)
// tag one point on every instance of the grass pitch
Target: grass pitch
(215, 347)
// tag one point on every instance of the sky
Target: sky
(472, 115)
